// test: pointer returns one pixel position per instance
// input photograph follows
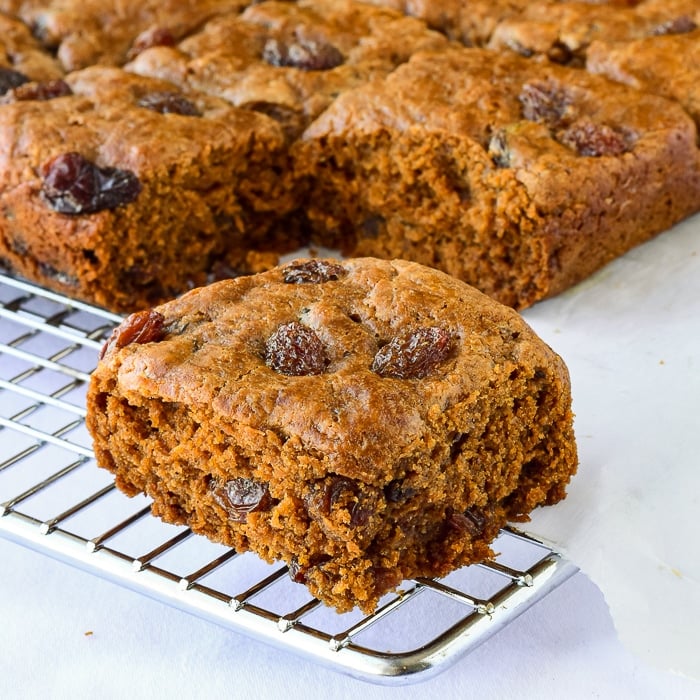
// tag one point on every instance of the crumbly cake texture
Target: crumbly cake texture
(125, 191)
(290, 59)
(519, 177)
(365, 421)
(667, 65)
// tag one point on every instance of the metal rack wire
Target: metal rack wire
(55, 500)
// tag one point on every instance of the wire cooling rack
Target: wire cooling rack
(54, 499)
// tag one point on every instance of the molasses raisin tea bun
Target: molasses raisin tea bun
(364, 421)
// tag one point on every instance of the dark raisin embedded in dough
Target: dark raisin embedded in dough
(589, 138)
(560, 53)
(10, 78)
(415, 354)
(241, 496)
(140, 327)
(472, 521)
(545, 102)
(385, 578)
(679, 25)
(75, 185)
(499, 149)
(396, 492)
(55, 274)
(45, 90)
(153, 36)
(372, 226)
(302, 52)
(313, 272)
(297, 572)
(295, 350)
(167, 102)
(338, 493)
(292, 121)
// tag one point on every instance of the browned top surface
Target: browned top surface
(213, 357)
(326, 47)
(103, 121)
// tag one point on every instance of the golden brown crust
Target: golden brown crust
(208, 190)
(366, 473)
(21, 52)
(518, 177)
(433, 160)
(291, 59)
(563, 31)
(665, 65)
(87, 32)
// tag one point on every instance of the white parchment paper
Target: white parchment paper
(631, 338)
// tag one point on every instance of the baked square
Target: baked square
(124, 191)
(364, 421)
(518, 177)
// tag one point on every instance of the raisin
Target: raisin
(372, 226)
(545, 102)
(75, 185)
(154, 36)
(499, 149)
(472, 521)
(241, 496)
(297, 572)
(54, 273)
(313, 272)
(396, 492)
(140, 327)
(46, 90)
(341, 493)
(413, 355)
(10, 79)
(560, 53)
(679, 25)
(292, 120)
(386, 579)
(328, 493)
(588, 138)
(295, 350)
(303, 53)
(169, 103)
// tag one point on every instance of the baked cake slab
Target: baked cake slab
(364, 421)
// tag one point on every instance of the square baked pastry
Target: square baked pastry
(124, 191)
(516, 176)
(364, 421)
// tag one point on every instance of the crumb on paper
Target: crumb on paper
(89, 633)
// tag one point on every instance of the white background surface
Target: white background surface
(565, 647)
(67, 634)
